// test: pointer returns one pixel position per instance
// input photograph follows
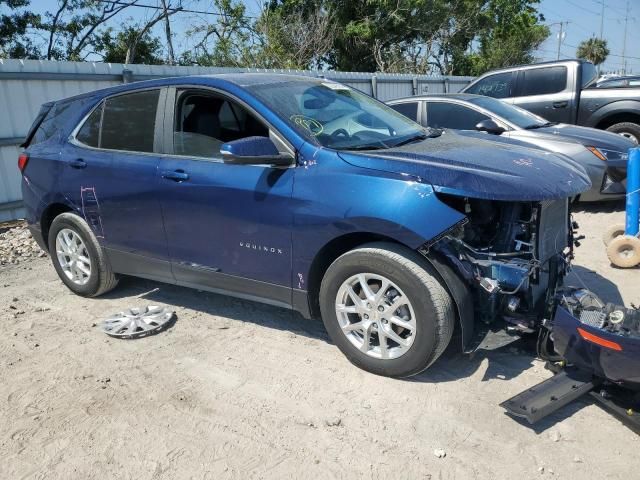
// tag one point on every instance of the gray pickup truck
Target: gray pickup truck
(565, 92)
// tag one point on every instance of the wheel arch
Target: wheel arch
(446, 274)
(615, 112)
(329, 253)
(48, 215)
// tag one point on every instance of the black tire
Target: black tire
(432, 304)
(627, 129)
(102, 279)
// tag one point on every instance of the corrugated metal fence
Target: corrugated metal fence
(27, 84)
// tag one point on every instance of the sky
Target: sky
(583, 17)
(584, 21)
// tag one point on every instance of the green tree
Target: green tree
(14, 24)
(594, 50)
(114, 48)
(510, 31)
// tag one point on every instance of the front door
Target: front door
(547, 92)
(228, 226)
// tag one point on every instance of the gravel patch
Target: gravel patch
(17, 244)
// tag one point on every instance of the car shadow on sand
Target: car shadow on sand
(502, 364)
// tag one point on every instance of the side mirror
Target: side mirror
(489, 126)
(254, 151)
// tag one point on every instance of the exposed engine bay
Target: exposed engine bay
(512, 255)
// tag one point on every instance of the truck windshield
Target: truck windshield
(336, 116)
(516, 115)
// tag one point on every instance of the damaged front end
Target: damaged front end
(512, 256)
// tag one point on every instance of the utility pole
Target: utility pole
(624, 40)
(560, 40)
(601, 28)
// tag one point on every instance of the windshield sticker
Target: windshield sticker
(335, 86)
(312, 126)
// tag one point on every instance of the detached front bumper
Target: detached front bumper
(602, 341)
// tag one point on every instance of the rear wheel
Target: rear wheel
(78, 258)
(628, 130)
(386, 310)
(624, 251)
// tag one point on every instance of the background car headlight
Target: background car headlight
(606, 154)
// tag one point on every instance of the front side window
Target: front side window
(497, 86)
(129, 121)
(336, 116)
(542, 81)
(203, 122)
(408, 109)
(451, 115)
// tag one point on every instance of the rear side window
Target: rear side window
(499, 85)
(89, 134)
(451, 115)
(542, 81)
(408, 109)
(128, 121)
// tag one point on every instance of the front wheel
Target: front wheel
(78, 258)
(385, 308)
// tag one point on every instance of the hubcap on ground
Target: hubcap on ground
(73, 256)
(376, 316)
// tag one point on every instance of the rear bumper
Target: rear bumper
(616, 365)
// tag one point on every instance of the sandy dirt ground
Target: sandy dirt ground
(241, 390)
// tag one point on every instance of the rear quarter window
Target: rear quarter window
(57, 120)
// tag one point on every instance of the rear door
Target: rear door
(546, 91)
(111, 175)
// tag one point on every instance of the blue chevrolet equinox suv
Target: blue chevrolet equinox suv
(306, 194)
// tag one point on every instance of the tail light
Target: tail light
(23, 159)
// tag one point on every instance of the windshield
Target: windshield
(516, 115)
(336, 116)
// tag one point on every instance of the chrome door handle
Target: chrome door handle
(78, 163)
(176, 175)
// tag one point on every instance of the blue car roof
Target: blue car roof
(219, 80)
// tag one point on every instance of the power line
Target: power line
(610, 55)
(176, 10)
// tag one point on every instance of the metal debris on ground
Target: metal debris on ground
(138, 322)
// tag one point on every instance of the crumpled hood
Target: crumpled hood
(480, 168)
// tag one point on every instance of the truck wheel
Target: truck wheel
(624, 251)
(386, 310)
(627, 129)
(612, 232)
(78, 258)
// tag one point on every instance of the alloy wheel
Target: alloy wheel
(73, 256)
(376, 316)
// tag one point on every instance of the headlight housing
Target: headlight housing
(605, 154)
